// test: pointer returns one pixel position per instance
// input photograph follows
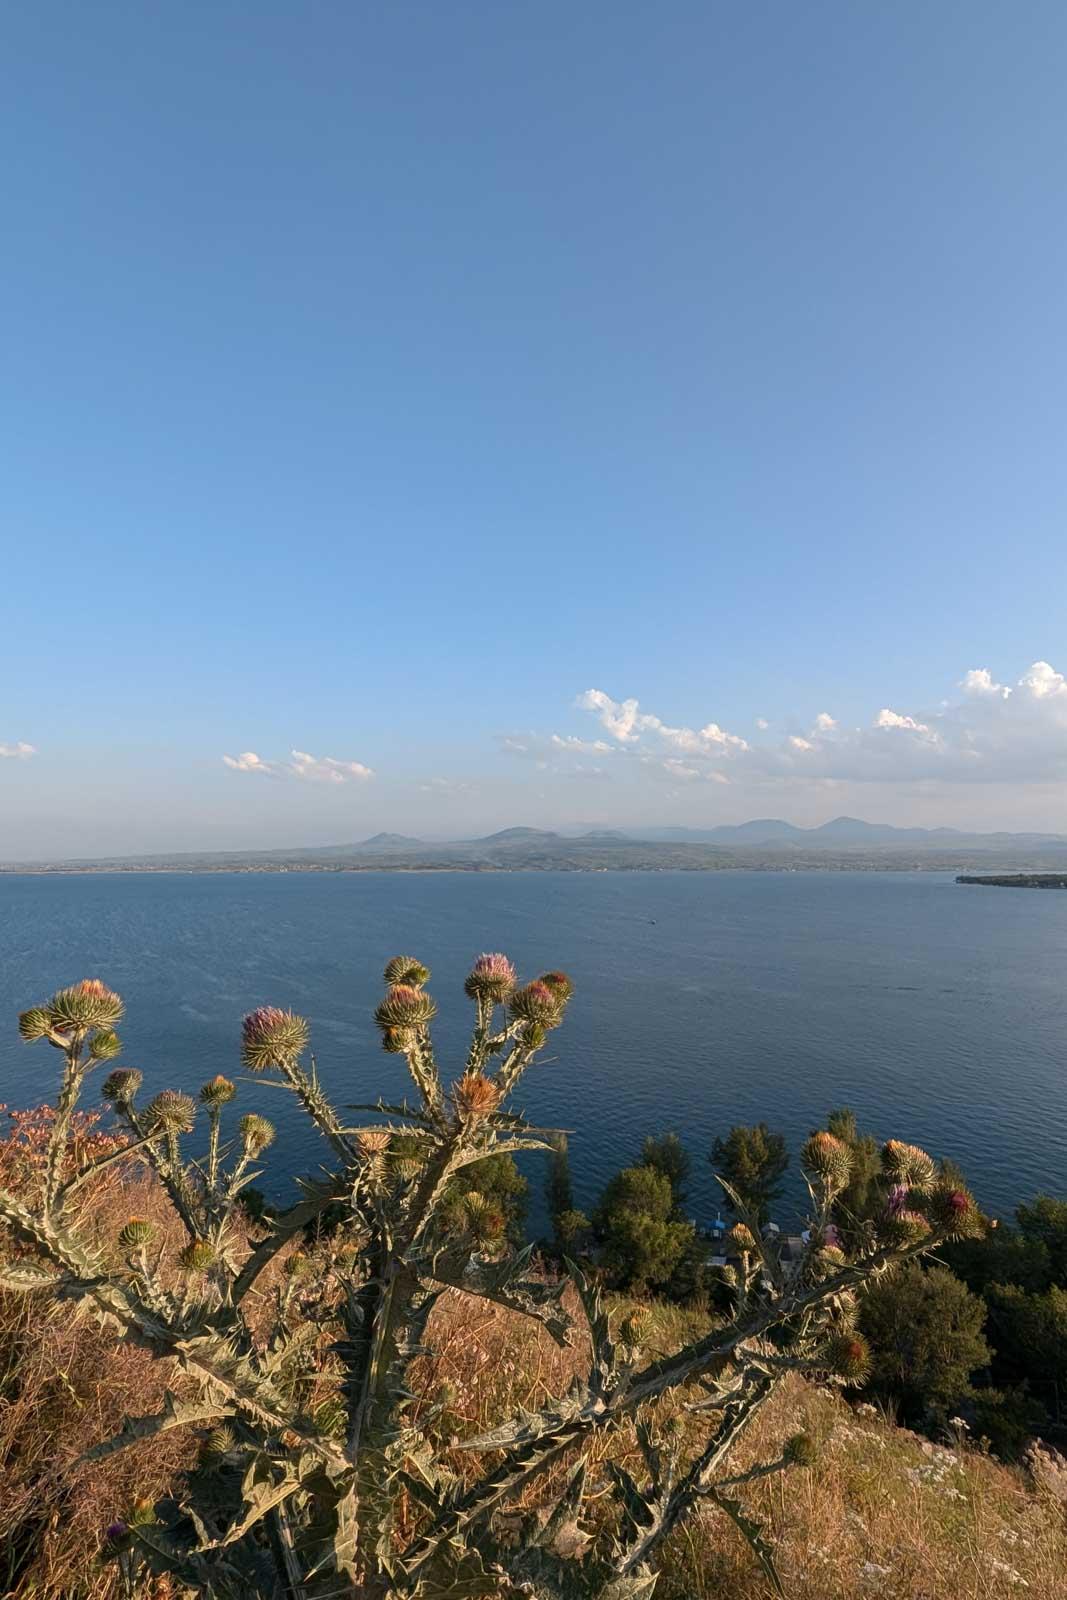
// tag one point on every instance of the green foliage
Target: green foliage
(861, 1198)
(309, 1441)
(559, 1190)
(753, 1161)
(1045, 1224)
(668, 1155)
(642, 1244)
(925, 1333)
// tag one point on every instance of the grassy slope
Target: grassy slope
(882, 1513)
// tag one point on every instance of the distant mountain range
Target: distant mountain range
(770, 843)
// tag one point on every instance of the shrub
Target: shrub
(316, 1471)
(925, 1333)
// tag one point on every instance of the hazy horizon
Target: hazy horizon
(429, 419)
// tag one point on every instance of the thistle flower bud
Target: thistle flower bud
(492, 978)
(143, 1512)
(559, 983)
(218, 1443)
(827, 1260)
(88, 1004)
(635, 1327)
(908, 1165)
(848, 1356)
(484, 1220)
(903, 1228)
(398, 1041)
(299, 1266)
(406, 970)
(271, 1037)
(116, 1538)
(199, 1256)
(536, 1003)
(800, 1451)
(827, 1158)
(105, 1045)
(741, 1238)
(404, 1007)
(172, 1111)
(34, 1024)
(121, 1086)
(137, 1233)
(475, 1096)
(218, 1091)
(953, 1210)
(256, 1133)
(407, 1168)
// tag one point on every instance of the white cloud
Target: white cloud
(17, 752)
(991, 733)
(315, 769)
(980, 681)
(893, 719)
(327, 769)
(248, 761)
(627, 723)
(762, 724)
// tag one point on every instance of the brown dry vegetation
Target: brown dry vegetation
(882, 1513)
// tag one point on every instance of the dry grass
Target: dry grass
(881, 1514)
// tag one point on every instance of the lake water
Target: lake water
(938, 1012)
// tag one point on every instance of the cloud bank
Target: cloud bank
(313, 769)
(989, 732)
(17, 752)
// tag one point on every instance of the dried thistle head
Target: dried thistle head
(741, 1238)
(404, 1007)
(635, 1327)
(475, 1096)
(218, 1091)
(256, 1133)
(491, 978)
(120, 1086)
(271, 1037)
(406, 970)
(908, 1165)
(373, 1141)
(172, 1111)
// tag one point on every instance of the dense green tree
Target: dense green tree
(861, 1198)
(925, 1333)
(1045, 1222)
(500, 1182)
(752, 1160)
(1030, 1334)
(642, 1244)
(668, 1155)
(1003, 1256)
(559, 1190)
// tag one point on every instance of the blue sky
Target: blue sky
(379, 380)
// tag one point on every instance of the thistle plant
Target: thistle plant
(311, 1438)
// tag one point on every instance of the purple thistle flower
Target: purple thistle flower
(116, 1531)
(831, 1236)
(897, 1200)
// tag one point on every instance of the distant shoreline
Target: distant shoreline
(1019, 880)
(496, 869)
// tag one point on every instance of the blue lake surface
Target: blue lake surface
(937, 1011)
